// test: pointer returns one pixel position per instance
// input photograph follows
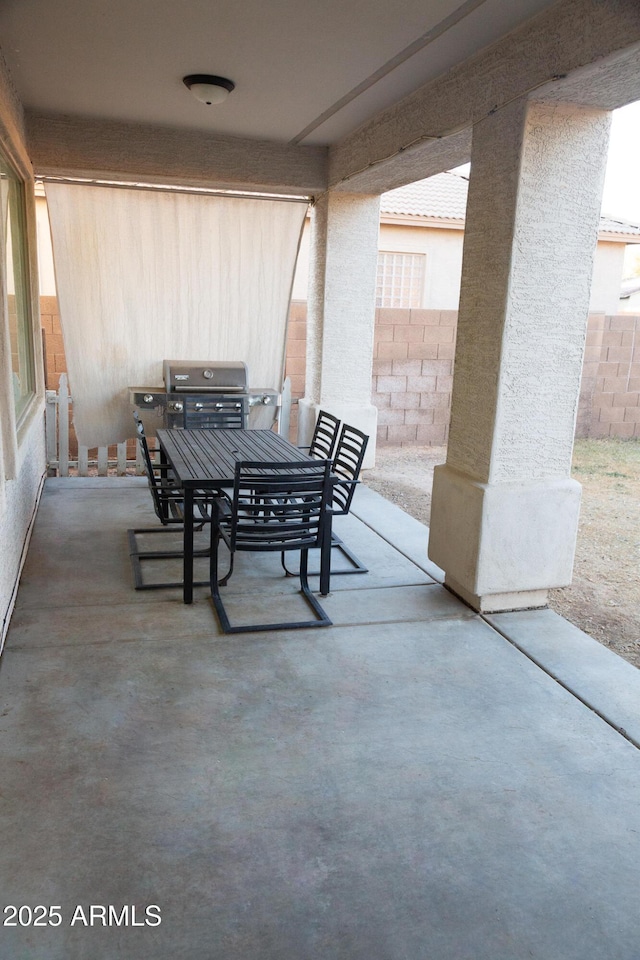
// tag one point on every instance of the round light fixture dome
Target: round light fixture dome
(208, 89)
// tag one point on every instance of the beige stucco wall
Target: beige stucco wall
(607, 277)
(443, 250)
(16, 513)
(22, 463)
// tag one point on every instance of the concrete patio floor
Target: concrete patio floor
(415, 782)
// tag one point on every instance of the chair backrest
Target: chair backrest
(347, 462)
(280, 506)
(206, 412)
(324, 436)
(144, 446)
(165, 508)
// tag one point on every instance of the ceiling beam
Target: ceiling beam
(133, 152)
(430, 129)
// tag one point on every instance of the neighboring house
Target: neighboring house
(420, 249)
(630, 296)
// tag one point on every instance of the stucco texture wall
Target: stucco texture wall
(25, 467)
(21, 495)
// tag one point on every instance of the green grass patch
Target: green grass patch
(607, 458)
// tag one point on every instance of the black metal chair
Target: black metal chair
(324, 437)
(347, 463)
(276, 507)
(214, 413)
(168, 502)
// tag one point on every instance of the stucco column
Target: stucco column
(341, 314)
(504, 510)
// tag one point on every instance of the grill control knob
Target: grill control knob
(199, 406)
(207, 374)
(177, 406)
(148, 398)
(265, 399)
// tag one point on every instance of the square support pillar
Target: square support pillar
(341, 314)
(504, 510)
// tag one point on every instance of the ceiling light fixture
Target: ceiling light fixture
(208, 89)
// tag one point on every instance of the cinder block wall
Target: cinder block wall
(54, 358)
(296, 357)
(413, 375)
(413, 372)
(610, 389)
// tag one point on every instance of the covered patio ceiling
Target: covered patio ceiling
(305, 73)
(359, 98)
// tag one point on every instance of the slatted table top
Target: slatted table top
(207, 458)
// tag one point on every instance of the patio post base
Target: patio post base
(503, 545)
(499, 602)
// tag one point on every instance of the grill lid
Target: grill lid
(205, 376)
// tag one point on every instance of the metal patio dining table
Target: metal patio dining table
(205, 460)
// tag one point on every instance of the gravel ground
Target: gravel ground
(604, 598)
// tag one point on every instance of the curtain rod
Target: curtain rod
(162, 188)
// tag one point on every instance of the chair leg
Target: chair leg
(214, 584)
(321, 618)
(357, 566)
(306, 591)
(137, 556)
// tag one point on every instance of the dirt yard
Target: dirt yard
(604, 599)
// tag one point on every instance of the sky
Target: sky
(621, 197)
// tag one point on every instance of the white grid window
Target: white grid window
(400, 279)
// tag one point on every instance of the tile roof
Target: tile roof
(615, 225)
(445, 197)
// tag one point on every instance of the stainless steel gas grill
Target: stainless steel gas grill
(203, 394)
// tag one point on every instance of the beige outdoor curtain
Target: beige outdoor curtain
(145, 275)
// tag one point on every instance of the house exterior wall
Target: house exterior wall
(16, 515)
(22, 471)
(608, 267)
(443, 250)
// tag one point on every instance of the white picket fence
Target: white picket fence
(59, 461)
(57, 407)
